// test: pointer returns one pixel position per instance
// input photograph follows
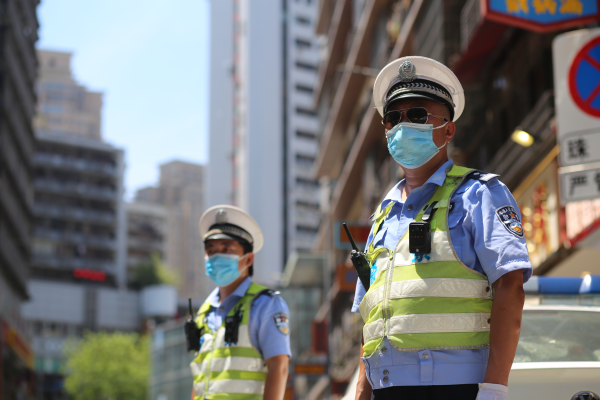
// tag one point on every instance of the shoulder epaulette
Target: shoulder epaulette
(482, 176)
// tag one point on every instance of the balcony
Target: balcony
(81, 189)
(78, 214)
(70, 263)
(145, 244)
(95, 241)
(58, 161)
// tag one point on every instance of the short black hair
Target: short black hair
(248, 248)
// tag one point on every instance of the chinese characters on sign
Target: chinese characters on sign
(542, 15)
(581, 185)
(579, 149)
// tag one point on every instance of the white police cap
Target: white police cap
(229, 222)
(416, 76)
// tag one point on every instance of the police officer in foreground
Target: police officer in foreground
(244, 328)
(447, 254)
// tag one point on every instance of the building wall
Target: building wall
(274, 128)
(219, 170)
(146, 234)
(181, 192)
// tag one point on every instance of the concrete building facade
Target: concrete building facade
(78, 274)
(263, 129)
(146, 235)
(18, 70)
(181, 192)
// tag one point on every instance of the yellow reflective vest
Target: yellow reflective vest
(431, 301)
(229, 370)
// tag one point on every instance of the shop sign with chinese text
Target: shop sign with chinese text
(542, 15)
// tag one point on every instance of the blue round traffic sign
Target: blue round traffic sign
(584, 78)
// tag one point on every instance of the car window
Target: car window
(554, 336)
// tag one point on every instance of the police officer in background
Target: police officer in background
(244, 328)
(440, 322)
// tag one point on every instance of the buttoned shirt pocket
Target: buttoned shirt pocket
(455, 219)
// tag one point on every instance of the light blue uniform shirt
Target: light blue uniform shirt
(482, 242)
(268, 339)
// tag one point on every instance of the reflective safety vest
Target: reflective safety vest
(229, 370)
(426, 301)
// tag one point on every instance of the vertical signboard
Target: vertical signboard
(577, 95)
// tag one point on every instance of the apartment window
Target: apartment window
(304, 89)
(302, 20)
(306, 66)
(306, 135)
(304, 183)
(306, 230)
(304, 160)
(306, 112)
(307, 205)
(303, 44)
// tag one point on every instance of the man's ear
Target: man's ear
(249, 259)
(450, 131)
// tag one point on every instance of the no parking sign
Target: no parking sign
(577, 96)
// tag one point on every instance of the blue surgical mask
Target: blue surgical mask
(412, 145)
(223, 268)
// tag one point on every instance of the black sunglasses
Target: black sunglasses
(416, 115)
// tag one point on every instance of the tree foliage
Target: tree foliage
(108, 366)
(154, 272)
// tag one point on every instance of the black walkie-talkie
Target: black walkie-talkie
(192, 333)
(359, 260)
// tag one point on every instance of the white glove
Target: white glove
(492, 391)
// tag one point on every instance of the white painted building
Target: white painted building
(263, 129)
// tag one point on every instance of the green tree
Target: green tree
(108, 366)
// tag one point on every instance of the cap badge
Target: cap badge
(221, 217)
(407, 72)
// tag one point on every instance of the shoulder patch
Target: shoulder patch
(282, 323)
(509, 217)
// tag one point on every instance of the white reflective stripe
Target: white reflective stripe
(236, 363)
(373, 330)
(236, 386)
(441, 250)
(207, 342)
(439, 323)
(440, 287)
(243, 337)
(197, 368)
(369, 301)
(199, 388)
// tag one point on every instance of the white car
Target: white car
(558, 354)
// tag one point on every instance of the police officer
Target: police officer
(444, 322)
(244, 344)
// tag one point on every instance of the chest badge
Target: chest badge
(282, 323)
(509, 217)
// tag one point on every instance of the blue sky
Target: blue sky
(150, 58)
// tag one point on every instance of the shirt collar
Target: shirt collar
(240, 291)
(438, 178)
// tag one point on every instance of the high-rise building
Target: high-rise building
(78, 273)
(146, 235)
(18, 64)
(263, 128)
(181, 192)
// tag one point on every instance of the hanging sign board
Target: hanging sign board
(576, 59)
(542, 15)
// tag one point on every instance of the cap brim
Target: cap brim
(223, 236)
(415, 96)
